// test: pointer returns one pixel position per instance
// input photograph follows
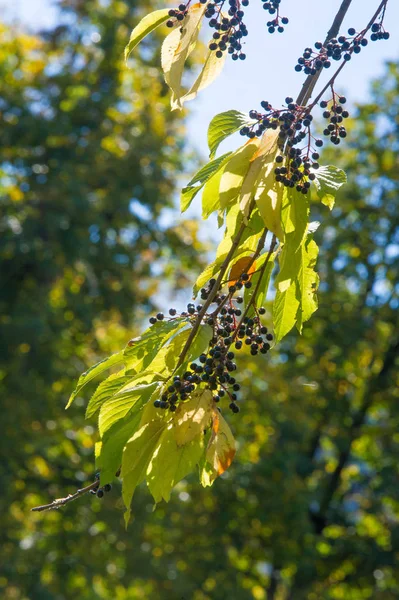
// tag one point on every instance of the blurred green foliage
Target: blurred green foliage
(310, 507)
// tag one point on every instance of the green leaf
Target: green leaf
(91, 373)
(146, 26)
(285, 308)
(192, 417)
(200, 178)
(201, 342)
(235, 171)
(220, 451)
(307, 283)
(141, 351)
(296, 284)
(106, 390)
(208, 273)
(198, 346)
(328, 181)
(223, 125)
(295, 214)
(115, 439)
(210, 195)
(294, 218)
(136, 457)
(172, 463)
(119, 405)
(209, 72)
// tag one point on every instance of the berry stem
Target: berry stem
(330, 83)
(254, 294)
(311, 80)
(214, 290)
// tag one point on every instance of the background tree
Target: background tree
(86, 168)
(310, 507)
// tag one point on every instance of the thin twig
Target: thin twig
(259, 248)
(331, 81)
(213, 291)
(253, 296)
(56, 504)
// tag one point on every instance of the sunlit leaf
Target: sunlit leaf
(136, 457)
(328, 181)
(307, 282)
(220, 451)
(210, 195)
(244, 264)
(114, 440)
(211, 69)
(119, 405)
(235, 171)
(106, 390)
(264, 285)
(285, 308)
(200, 178)
(192, 417)
(171, 463)
(177, 48)
(141, 351)
(146, 26)
(268, 192)
(223, 125)
(91, 373)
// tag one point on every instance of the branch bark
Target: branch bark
(56, 504)
(311, 80)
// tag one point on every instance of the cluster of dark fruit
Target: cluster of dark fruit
(294, 123)
(177, 14)
(335, 115)
(229, 29)
(275, 24)
(378, 32)
(312, 61)
(99, 491)
(213, 370)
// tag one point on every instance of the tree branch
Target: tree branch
(311, 80)
(56, 504)
(214, 290)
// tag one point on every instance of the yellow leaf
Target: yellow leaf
(211, 69)
(235, 171)
(220, 451)
(175, 50)
(146, 25)
(192, 417)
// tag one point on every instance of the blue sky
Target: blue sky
(268, 72)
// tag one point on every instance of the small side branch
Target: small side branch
(58, 502)
(214, 290)
(311, 80)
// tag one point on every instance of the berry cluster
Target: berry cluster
(312, 61)
(294, 123)
(177, 14)
(335, 115)
(275, 24)
(231, 330)
(378, 32)
(229, 29)
(99, 491)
